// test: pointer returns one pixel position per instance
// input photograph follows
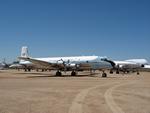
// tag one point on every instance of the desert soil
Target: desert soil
(42, 92)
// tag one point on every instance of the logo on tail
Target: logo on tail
(24, 51)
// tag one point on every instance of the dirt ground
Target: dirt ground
(41, 92)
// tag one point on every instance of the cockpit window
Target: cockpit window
(103, 59)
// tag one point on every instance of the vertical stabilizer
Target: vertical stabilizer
(24, 51)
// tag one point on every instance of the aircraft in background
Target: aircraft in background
(17, 65)
(4, 65)
(74, 64)
(127, 66)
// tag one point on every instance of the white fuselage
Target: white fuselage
(66, 59)
(70, 59)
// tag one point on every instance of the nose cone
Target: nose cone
(109, 62)
(107, 65)
(104, 65)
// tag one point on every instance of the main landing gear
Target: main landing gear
(27, 69)
(73, 73)
(111, 72)
(58, 73)
(117, 72)
(104, 74)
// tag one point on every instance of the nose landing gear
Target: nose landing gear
(104, 74)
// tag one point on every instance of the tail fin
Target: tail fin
(24, 51)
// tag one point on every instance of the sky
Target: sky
(118, 29)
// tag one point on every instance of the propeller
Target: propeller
(65, 64)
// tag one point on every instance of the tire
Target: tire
(58, 73)
(111, 72)
(104, 75)
(117, 72)
(29, 69)
(73, 73)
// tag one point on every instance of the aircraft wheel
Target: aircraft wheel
(58, 73)
(111, 72)
(29, 69)
(25, 70)
(117, 72)
(73, 73)
(104, 75)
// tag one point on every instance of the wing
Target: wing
(41, 63)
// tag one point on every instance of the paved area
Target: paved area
(41, 92)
